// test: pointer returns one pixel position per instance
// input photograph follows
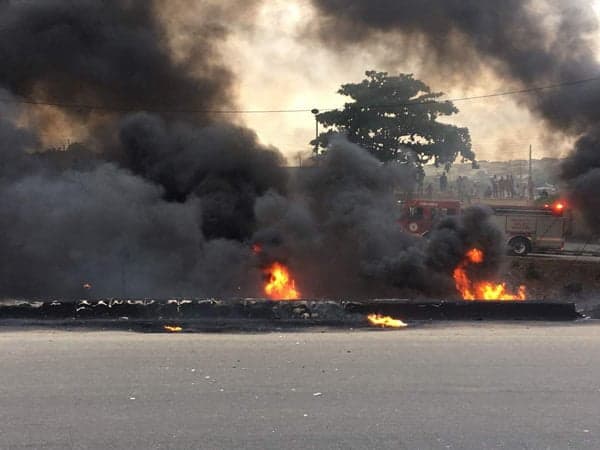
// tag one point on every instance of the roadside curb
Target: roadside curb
(297, 311)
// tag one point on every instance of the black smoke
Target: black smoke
(106, 53)
(222, 164)
(581, 170)
(534, 43)
(148, 204)
(342, 231)
(155, 203)
(14, 144)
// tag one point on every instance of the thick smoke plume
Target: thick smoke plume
(582, 171)
(220, 163)
(534, 43)
(102, 224)
(155, 203)
(107, 53)
(146, 205)
(341, 229)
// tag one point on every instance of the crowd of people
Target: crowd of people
(503, 187)
(464, 188)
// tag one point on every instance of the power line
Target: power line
(528, 90)
(145, 108)
(95, 107)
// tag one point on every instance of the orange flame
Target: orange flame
(385, 321)
(481, 290)
(172, 328)
(280, 285)
(475, 256)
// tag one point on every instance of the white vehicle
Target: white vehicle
(531, 229)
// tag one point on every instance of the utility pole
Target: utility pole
(521, 172)
(315, 111)
(530, 182)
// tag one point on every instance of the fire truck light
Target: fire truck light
(558, 208)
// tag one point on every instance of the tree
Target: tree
(395, 119)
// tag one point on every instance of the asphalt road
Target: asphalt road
(444, 386)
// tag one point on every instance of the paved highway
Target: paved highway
(438, 386)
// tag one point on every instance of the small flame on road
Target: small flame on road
(481, 290)
(172, 328)
(279, 283)
(385, 321)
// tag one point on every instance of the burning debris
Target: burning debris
(385, 321)
(172, 328)
(339, 228)
(279, 283)
(481, 290)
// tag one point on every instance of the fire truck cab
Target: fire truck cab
(420, 216)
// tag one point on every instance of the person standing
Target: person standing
(459, 187)
(511, 187)
(443, 182)
(429, 190)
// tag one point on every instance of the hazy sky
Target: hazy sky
(278, 66)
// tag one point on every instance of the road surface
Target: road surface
(438, 386)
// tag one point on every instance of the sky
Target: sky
(279, 67)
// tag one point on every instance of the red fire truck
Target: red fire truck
(420, 216)
(527, 228)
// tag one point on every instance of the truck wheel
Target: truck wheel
(519, 246)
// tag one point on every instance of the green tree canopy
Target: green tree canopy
(395, 118)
